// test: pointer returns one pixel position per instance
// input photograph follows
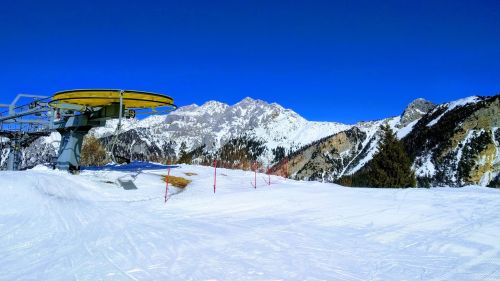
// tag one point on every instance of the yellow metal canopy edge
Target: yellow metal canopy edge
(104, 97)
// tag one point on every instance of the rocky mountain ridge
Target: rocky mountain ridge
(214, 123)
(452, 144)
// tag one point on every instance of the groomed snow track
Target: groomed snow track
(55, 226)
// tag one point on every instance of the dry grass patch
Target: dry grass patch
(190, 174)
(179, 182)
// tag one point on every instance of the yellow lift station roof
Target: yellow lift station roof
(99, 98)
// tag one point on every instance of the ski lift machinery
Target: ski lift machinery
(73, 113)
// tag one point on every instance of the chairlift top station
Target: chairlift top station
(72, 113)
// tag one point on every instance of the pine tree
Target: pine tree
(183, 154)
(391, 166)
(279, 154)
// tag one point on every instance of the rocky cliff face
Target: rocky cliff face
(414, 111)
(328, 158)
(457, 143)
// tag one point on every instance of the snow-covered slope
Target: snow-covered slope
(56, 226)
(452, 105)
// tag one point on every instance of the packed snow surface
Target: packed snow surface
(56, 226)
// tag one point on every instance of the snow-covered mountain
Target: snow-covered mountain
(455, 143)
(214, 123)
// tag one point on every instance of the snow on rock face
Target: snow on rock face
(56, 226)
(459, 148)
(404, 131)
(452, 105)
(426, 168)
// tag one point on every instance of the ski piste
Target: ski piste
(57, 226)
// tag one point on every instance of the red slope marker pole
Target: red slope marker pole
(166, 186)
(215, 174)
(255, 175)
(268, 175)
(286, 168)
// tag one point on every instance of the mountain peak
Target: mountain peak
(213, 103)
(420, 103)
(212, 107)
(416, 109)
(249, 101)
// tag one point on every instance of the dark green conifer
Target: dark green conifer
(391, 166)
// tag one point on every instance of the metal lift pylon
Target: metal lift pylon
(72, 114)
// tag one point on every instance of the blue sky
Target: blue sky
(340, 61)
